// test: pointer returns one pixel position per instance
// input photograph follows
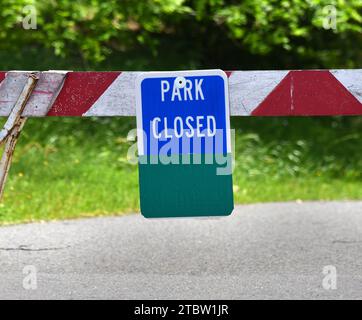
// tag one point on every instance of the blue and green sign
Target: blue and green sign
(184, 144)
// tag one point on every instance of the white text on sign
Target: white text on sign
(202, 126)
(188, 91)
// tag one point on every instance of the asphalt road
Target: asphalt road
(262, 251)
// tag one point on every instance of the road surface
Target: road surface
(266, 251)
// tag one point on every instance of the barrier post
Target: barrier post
(10, 133)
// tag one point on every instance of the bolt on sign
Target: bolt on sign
(184, 144)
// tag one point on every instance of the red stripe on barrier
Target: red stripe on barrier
(80, 91)
(309, 93)
(2, 76)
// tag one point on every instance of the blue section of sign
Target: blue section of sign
(184, 118)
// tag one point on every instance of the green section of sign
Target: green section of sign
(198, 187)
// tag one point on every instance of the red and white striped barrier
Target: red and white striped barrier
(252, 93)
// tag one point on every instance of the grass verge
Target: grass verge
(77, 167)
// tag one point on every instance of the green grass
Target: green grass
(77, 167)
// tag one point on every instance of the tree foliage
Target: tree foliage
(185, 33)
